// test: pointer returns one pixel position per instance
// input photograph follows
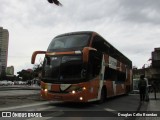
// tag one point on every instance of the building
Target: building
(10, 70)
(151, 72)
(156, 58)
(4, 39)
(155, 69)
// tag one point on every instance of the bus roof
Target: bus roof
(74, 33)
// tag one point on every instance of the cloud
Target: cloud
(141, 11)
(132, 26)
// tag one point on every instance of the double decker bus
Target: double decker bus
(83, 67)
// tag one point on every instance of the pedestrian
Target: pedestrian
(142, 87)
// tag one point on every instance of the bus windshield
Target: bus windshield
(63, 69)
(70, 41)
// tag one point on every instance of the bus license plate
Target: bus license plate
(57, 97)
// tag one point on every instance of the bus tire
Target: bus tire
(103, 96)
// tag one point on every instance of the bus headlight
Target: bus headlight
(73, 91)
(45, 90)
(81, 98)
(84, 88)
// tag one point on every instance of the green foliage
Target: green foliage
(30, 74)
(37, 69)
(25, 75)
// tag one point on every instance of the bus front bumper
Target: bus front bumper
(66, 97)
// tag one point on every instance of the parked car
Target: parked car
(20, 82)
(4, 82)
(10, 83)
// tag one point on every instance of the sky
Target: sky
(132, 26)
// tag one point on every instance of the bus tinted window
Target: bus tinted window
(70, 41)
(110, 74)
(99, 44)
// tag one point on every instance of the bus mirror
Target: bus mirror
(35, 54)
(86, 52)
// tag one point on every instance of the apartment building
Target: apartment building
(4, 39)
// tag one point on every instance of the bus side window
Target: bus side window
(121, 77)
(114, 75)
(110, 74)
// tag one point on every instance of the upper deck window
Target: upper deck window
(69, 41)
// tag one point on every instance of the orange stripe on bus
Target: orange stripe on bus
(61, 53)
(109, 85)
(119, 89)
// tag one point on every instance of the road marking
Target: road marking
(41, 109)
(42, 118)
(46, 108)
(111, 110)
(29, 105)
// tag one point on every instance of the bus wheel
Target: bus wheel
(103, 96)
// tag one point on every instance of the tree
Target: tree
(37, 69)
(29, 73)
(25, 74)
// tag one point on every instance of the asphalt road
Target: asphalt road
(18, 95)
(60, 110)
(18, 90)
